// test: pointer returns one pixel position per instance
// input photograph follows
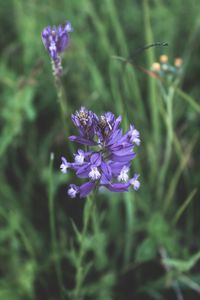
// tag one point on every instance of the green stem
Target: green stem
(80, 268)
(169, 126)
(129, 233)
(61, 99)
(63, 108)
(150, 55)
(53, 226)
(169, 139)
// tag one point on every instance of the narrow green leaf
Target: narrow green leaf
(193, 103)
(182, 265)
(184, 206)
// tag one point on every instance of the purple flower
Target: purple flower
(94, 173)
(79, 157)
(73, 190)
(64, 165)
(86, 122)
(107, 161)
(123, 176)
(135, 182)
(134, 135)
(55, 40)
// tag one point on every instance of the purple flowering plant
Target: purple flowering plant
(106, 159)
(107, 155)
(55, 40)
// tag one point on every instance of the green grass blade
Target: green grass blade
(184, 206)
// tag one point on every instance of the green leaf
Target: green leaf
(146, 251)
(182, 265)
(193, 103)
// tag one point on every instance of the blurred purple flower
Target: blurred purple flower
(106, 163)
(55, 40)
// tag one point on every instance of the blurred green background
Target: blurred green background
(142, 245)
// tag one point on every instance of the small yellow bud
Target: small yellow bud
(178, 62)
(155, 66)
(163, 59)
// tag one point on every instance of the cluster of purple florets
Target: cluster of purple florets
(108, 153)
(55, 40)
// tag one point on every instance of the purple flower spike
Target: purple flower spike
(55, 40)
(109, 154)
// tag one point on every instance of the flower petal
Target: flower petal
(117, 187)
(81, 140)
(86, 188)
(106, 173)
(95, 159)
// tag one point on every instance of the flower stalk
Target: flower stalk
(56, 40)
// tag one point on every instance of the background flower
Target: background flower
(56, 40)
